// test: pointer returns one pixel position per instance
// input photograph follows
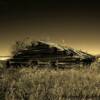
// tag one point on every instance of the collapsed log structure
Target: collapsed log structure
(40, 52)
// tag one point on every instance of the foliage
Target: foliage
(50, 84)
(20, 45)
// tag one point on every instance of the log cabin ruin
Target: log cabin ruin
(40, 53)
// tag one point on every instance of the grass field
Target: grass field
(50, 84)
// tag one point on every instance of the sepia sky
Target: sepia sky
(76, 23)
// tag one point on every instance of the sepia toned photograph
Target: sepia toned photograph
(49, 50)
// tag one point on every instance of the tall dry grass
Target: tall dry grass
(50, 84)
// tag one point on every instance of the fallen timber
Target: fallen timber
(45, 54)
